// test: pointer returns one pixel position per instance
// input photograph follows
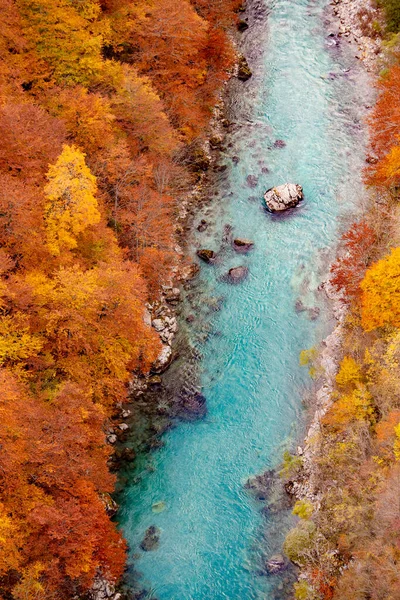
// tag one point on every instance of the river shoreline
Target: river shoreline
(329, 357)
(345, 18)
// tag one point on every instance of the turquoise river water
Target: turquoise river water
(308, 91)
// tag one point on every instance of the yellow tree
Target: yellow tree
(71, 205)
(381, 293)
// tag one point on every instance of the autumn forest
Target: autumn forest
(104, 109)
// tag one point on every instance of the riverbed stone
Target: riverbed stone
(163, 361)
(237, 274)
(159, 507)
(109, 503)
(261, 484)
(172, 295)
(192, 406)
(283, 197)
(158, 325)
(242, 25)
(151, 539)
(242, 245)
(202, 225)
(155, 380)
(244, 71)
(275, 564)
(206, 255)
(252, 181)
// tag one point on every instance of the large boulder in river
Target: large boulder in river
(283, 197)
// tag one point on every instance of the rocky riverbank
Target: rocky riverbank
(348, 16)
(359, 23)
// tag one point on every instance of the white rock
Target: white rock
(159, 324)
(163, 360)
(283, 197)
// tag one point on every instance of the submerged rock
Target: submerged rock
(252, 181)
(206, 255)
(313, 313)
(202, 225)
(151, 539)
(192, 406)
(237, 274)
(227, 235)
(299, 306)
(275, 564)
(260, 485)
(159, 507)
(283, 197)
(242, 245)
(279, 144)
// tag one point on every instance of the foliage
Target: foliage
(348, 270)
(349, 373)
(71, 204)
(303, 509)
(291, 465)
(384, 122)
(299, 541)
(392, 14)
(303, 591)
(97, 101)
(381, 293)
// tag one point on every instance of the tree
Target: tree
(30, 140)
(381, 293)
(387, 170)
(384, 125)
(348, 270)
(71, 204)
(349, 374)
(68, 37)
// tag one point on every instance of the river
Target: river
(310, 93)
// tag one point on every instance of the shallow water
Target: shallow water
(214, 537)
